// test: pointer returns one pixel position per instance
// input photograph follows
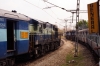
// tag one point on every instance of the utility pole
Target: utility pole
(66, 24)
(72, 16)
(77, 20)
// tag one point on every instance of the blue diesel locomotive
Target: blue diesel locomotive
(22, 36)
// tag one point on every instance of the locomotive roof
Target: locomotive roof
(9, 14)
(40, 21)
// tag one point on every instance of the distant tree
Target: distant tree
(83, 24)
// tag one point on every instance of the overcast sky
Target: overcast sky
(54, 15)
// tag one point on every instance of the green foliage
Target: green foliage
(82, 24)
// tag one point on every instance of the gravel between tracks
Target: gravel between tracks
(58, 57)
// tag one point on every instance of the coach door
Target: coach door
(10, 35)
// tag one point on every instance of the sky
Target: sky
(54, 15)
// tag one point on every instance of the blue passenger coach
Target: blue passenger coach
(14, 39)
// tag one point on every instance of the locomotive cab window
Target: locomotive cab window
(35, 27)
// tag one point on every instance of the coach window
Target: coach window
(97, 39)
(83, 34)
(86, 32)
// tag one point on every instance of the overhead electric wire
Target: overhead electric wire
(51, 10)
(39, 8)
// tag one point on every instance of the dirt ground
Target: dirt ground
(58, 57)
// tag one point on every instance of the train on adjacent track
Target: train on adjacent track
(24, 37)
(91, 41)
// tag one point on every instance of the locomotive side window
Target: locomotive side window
(48, 25)
(40, 28)
(53, 27)
(44, 26)
(35, 27)
(31, 28)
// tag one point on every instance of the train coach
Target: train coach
(70, 35)
(89, 40)
(22, 36)
(82, 35)
(13, 36)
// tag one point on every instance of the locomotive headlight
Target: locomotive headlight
(36, 42)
